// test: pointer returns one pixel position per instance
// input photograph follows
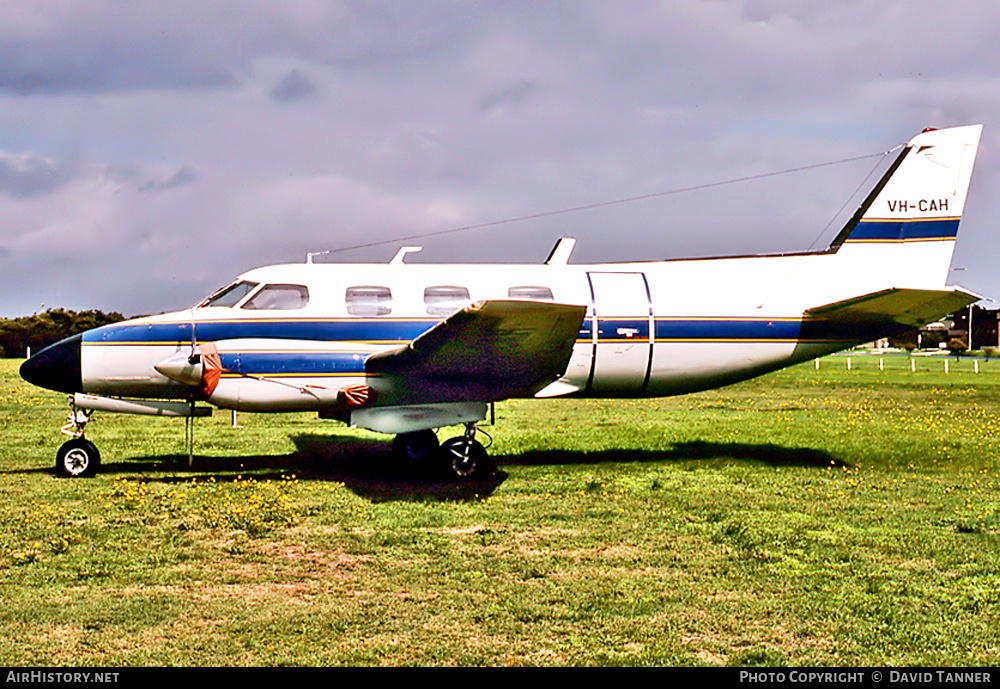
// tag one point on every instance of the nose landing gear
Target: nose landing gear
(78, 457)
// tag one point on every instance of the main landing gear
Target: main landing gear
(462, 458)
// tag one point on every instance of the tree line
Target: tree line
(42, 329)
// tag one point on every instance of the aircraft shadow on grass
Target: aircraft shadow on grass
(365, 466)
(773, 455)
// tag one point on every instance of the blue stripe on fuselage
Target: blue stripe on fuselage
(727, 330)
(318, 330)
(733, 330)
(295, 363)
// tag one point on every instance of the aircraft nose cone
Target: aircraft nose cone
(56, 367)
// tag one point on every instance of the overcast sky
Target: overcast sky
(151, 151)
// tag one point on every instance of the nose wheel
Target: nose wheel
(78, 458)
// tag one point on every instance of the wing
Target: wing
(491, 350)
(887, 312)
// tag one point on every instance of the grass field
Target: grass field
(811, 517)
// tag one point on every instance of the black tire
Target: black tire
(78, 458)
(465, 459)
(416, 447)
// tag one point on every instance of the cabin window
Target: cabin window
(230, 295)
(279, 298)
(444, 300)
(368, 300)
(533, 292)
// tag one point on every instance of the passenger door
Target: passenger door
(622, 332)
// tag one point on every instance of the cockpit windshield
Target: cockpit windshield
(230, 295)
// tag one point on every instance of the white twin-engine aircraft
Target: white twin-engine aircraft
(406, 349)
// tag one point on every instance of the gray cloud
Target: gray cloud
(182, 178)
(295, 86)
(102, 47)
(25, 176)
(509, 96)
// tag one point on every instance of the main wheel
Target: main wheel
(466, 459)
(78, 458)
(415, 447)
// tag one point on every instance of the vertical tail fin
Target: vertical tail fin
(917, 203)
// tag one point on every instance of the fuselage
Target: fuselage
(292, 336)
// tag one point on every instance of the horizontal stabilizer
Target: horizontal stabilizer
(910, 308)
(491, 350)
